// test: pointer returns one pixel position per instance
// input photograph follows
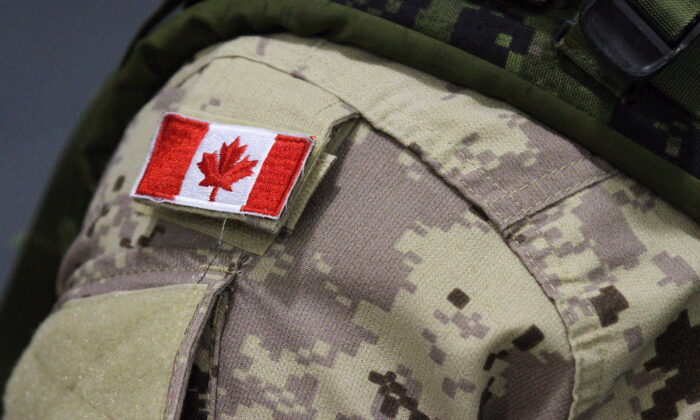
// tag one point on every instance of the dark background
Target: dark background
(53, 57)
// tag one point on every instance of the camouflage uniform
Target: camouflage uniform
(457, 260)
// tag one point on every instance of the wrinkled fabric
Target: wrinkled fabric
(457, 260)
(622, 268)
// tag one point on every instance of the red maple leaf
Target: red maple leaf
(223, 170)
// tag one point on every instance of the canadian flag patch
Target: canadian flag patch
(222, 167)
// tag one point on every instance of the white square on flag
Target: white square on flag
(222, 167)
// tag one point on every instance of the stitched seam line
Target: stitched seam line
(149, 270)
(189, 342)
(79, 272)
(562, 195)
(500, 188)
(184, 343)
(304, 59)
(534, 182)
(463, 183)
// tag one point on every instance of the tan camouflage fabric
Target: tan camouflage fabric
(457, 260)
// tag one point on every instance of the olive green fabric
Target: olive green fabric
(582, 112)
(579, 50)
(682, 79)
(679, 79)
(669, 18)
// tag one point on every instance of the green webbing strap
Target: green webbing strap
(670, 18)
(679, 80)
(577, 48)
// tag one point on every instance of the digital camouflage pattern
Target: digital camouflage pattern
(657, 115)
(468, 139)
(622, 268)
(459, 260)
(559, 83)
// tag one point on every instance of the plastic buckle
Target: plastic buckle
(626, 40)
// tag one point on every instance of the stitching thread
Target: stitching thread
(114, 274)
(559, 196)
(167, 410)
(463, 183)
(189, 344)
(532, 183)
